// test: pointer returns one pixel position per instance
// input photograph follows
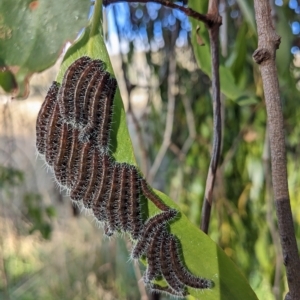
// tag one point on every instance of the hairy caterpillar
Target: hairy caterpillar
(73, 132)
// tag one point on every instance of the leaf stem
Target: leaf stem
(96, 18)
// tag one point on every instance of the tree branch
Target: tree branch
(139, 134)
(208, 19)
(137, 273)
(268, 42)
(270, 216)
(169, 120)
(190, 120)
(210, 181)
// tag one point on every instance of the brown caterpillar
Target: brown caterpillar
(153, 257)
(123, 198)
(180, 270)
(134, 200)
(63, 153)
(53, 135)
(99, 200)
(153, 224)
(112, 202)
(67, 90)
(95, 109)
(44, 116)
(95, 67)
(95, 177)
(73, 131)
(74, 159)
(166, 268)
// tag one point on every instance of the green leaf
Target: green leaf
(202, 256)
(283, 54)
(248, 13)
(50, 211)
(203, 57)
(247, 100)
(239, 52)
(10, 177)
(7, 81)
(32, 35)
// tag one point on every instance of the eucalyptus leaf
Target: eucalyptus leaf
(201, 255)
(32, 35)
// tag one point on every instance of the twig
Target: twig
(169, 121)
(190, 120)
(181, 153)
(138, 130)
(137, 274)
(210, 181)
(176, 150)
(209, 20)
(268, 43)
(269, 216)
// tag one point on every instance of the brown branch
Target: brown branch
(138, 275)
(169, 120)
(190, 120)
(270, 217)
(269, 203)
(177, 151)
(139, 134)
(217, 140)
(209, 20)
(268, 42)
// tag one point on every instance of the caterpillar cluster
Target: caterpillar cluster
(73, 136)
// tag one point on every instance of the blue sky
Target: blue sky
(118, 16)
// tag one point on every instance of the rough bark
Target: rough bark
(268, 43)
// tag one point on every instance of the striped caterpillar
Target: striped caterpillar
(73, 133)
